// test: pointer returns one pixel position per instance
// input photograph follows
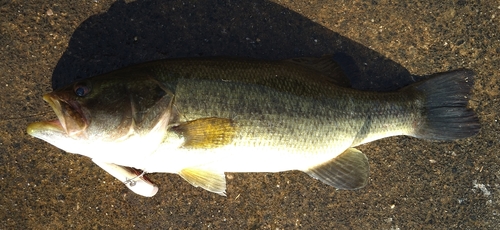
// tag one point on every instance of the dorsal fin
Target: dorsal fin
(211, 132)
(325, 65)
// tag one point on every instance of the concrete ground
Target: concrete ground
(382, 45)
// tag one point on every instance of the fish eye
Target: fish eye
(81, 89)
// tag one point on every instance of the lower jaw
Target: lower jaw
(37, 128)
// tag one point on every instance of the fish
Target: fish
(202, 117)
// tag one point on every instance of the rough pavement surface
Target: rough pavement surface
(382, 45)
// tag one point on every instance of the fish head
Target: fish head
(72, 116)
(107, 112)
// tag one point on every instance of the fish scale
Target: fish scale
(201, 117)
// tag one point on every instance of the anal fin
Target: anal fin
(210, 180)
(349, 170)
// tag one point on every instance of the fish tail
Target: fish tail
(446, 116)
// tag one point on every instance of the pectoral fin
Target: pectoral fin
(209, 132)
(349, 170)
(211, 180)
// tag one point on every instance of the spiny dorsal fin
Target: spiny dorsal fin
(325, 65)
(349, 170)
(210, 180)
(209, 132)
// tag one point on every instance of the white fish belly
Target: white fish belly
(236, 159)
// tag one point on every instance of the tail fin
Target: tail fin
(446, 114)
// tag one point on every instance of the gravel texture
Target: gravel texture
(383, 45)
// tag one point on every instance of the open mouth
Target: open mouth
(56, 106)
(70, 119)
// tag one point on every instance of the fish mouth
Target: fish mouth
(70, 117)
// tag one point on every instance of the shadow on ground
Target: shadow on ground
(414, 184)
(148, 30)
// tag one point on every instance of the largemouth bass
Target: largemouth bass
(201, 117)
